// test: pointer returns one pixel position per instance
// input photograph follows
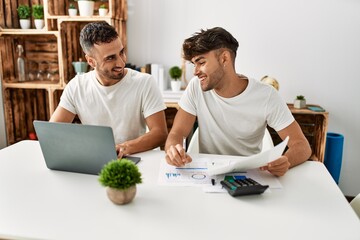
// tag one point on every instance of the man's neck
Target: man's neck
(233, 86)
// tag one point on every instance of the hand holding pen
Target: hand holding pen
(176, 156)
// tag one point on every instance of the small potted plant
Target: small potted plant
(175, 73)
(38, 14)
(103, 10)
(72, 10)
(120, 178)
(24, 13)
(300, 102)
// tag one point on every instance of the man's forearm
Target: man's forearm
(173, 139)
(298, 153)
(148, 141)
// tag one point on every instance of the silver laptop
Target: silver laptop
(76, 147)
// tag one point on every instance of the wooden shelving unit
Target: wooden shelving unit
(55, 46)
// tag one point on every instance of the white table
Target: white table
(39, 203)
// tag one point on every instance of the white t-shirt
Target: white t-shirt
(122, 106)
(235, 126)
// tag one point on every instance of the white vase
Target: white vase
(39, 23)
(299, 103)
(72, 12)
(103, 12)
(86, 8)
(175, 86)
(25, 23)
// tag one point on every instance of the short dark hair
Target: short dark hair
(207, 40)
(96, 33)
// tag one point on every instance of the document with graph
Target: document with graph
(204, 166)
(194, 174)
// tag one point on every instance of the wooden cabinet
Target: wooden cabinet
(49, 54)
(314, 126)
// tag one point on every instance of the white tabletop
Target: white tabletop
(38, 203)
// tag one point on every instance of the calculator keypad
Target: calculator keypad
(246, 186)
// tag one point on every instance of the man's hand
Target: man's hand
(278, 167)
(177, 156)
(122, 150)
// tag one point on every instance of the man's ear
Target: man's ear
(91, 61)
(226, 57)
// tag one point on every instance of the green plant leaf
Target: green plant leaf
(120, 174)
(300, 97)
(175, 72)
(24, 11)
(38, 11)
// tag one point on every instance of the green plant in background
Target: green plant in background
(175, 73)
(72, 6)
(38, 11)
(300, 97)
(120, 174)
(102, 6)
(24, 11)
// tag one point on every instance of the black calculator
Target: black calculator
(244, 186)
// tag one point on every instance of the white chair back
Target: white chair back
(355, 204)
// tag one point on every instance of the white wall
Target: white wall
(311, 46)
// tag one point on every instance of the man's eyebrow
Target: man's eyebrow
(110, 56)
(198, 59)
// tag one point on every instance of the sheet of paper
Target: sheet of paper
(206, 167)
(239, 164)
(194, 174)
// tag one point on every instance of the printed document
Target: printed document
(240, 164)
(204, 167)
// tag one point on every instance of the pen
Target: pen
(213, 181)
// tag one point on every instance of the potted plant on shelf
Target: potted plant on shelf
(38, 14)
(24, 13)
(175, 73)
(72, 10)
(120, 178)
(103, 10)
(300, 102)
(86, 7)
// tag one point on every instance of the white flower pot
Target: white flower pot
(25, 23)
(72, 12)
(86, 8)
(175, 86)
(39, 23)
(299, 103)
(103, 12)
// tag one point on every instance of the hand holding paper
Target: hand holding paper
(239, 164)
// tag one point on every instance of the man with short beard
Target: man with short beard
(111, 95)
(232, 110)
